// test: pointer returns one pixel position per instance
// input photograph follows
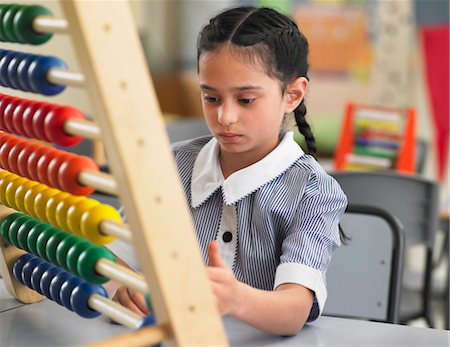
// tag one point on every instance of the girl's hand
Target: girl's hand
(131, 299)
(225, 286)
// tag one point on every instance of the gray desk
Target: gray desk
(48, 324)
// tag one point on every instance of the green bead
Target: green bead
(3, 10)
(63, 248)
(7, 23)
(53, 243)
(87, 261)
(33, 236)
(74, 253)
(23, 28)
(4, 226)
(22, 233)
(14, 228)
(148, 302)
(41, 242)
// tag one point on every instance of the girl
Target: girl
(266, 214)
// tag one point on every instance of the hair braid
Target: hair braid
(305, 129)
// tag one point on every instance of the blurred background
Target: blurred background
(385, 53)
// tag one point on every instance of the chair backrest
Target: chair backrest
(364, 276)
(412, 199)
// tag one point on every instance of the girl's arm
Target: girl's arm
(281, 312)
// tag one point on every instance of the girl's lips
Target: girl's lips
(230, 137)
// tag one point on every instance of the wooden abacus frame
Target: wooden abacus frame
(139, 152)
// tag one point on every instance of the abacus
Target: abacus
(52, 234)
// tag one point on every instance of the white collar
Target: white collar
(207, 174)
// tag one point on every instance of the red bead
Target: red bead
(32, 162)
(54, 126)
(38, 121)
(54, 165)
(22, 159)
(42, 165)
(4, 151)
(14, 154)
(4, 102)
(7, 115)
(27, 118)
(17, 123)
(68, 175)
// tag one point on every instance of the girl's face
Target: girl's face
(242, 105)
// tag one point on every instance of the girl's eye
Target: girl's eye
(246, 101)
(210, 99)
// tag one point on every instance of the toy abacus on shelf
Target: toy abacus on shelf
(44, 189)
(377, 138)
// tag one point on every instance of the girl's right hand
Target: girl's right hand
(131, 299)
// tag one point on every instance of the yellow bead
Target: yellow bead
(75, 212)
(62, 208)
(91, 223)
(10, 191)
(4, 180)
(30, 197)
(40, 202)
(20, 194)
(50, 207)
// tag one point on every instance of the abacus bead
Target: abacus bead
(4, 180)
(28, 269)
(13, 155)
(3, 10)
(41, 242)
(56, 283)
(22, 159)
(41, 200)
(62, 208)
(88, 260)
(91, 220)
(63, 248)
(8, 113)
(37, 75)
(22, 233)
(50, 207)
(17, 115)
(22, 70)
(14, 228)
(30, 196)
(80, 297)
(18, 266)
(54, 126)
(37, 122)
(42, 165)
(30, 112)
(10, 191)
(69, 171)
(33, 236)
(19, 197)
(53, 167)
(12, 71)
(47, 278)
(75, 212)
(4, 150)
(36, 275)
(22, 24)
(74, 253)
(32, 162)
(66, 291)
(53, 243)
(6, 223)
(7, 23)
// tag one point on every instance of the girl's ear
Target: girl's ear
(295, 92)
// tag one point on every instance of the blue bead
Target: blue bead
(37, 75)
(47, 278)
(18, 266)
(12, 70)
(148, 320)
(36, 276)
(56, 283)
(80, 296)
(4, 63)
(66, 291)
(22, 71)
(28, 269)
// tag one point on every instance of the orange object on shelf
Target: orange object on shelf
(377, 138)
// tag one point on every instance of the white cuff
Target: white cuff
(305, 276)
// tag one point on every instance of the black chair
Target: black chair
(364, 276)
(415, 202)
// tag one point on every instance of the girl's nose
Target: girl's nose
(227, 115)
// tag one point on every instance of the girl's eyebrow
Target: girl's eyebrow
(206, 87)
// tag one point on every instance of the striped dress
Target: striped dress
(276, 221)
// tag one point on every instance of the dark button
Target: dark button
(227, 236)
